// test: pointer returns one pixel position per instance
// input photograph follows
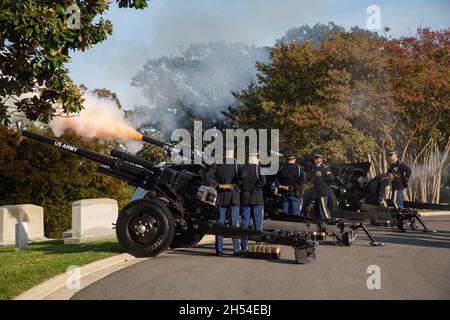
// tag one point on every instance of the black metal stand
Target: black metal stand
(305, 250)
(373, 242)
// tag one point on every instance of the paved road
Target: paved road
(413, 266)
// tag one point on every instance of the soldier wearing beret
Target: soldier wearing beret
(402, 174)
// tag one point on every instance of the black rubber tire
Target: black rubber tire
(186, 239)
(413, 224)
(146, 208)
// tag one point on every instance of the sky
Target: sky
(166, 25)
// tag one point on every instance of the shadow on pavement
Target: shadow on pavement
(228, 254)
(415, 238)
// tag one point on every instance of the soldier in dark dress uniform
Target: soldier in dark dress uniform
(289, 183)
(402, 173)
(322, 176)
(252, 199)
(224, 177)
(375, 191)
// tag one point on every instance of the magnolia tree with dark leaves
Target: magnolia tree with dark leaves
(36, 38)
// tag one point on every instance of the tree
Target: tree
(316, 34)
(32, 172)
(419, 70)
(35, 41)
(108, 94)
(356, 97)
(304, 93)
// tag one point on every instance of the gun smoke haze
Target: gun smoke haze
(101, 119)
(197, 82)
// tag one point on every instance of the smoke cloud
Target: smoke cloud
(196, 84)
(101, 119)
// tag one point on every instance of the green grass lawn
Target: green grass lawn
(22, 270)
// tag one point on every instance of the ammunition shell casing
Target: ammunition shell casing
(266, 252)
(277, 252)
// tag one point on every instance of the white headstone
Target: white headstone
(22, 235)
(10, 215)
(92, 220)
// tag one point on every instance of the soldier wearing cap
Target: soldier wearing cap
(225, 178)
(289, 182)
(401, 173)
(252, 198)
(322, 176)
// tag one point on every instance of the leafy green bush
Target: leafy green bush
(34, 173)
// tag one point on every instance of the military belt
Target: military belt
(226, 186)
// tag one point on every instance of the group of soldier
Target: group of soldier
(240, 190)
(239, 193)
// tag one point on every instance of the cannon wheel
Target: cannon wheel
(413, 224)
(145, 228)
(186, 239)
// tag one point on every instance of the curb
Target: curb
(434, 213)
(46, 288)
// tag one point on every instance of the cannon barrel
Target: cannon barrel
(157, 142)
(124, 169)
(130, 158)
(169, 147)
(70, 148)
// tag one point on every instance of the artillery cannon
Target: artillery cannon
(178, 209)
(348, 193)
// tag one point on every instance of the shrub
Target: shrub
(35, 173)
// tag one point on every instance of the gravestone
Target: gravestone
(92, 220)
(11, 215)
(22, 235)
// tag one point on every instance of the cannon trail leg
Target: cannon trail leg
(425, 229)
(373, 242)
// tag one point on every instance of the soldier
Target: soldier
(224, 177)
(322, 176)
(289, 182)
(252, 199)
(376, 189)
(402, 173)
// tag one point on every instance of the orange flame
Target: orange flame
(99, 119)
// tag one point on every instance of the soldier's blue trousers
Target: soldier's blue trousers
(322, 211)
(397, 199)
(247, 213)
(292, 205)
(221, 215)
